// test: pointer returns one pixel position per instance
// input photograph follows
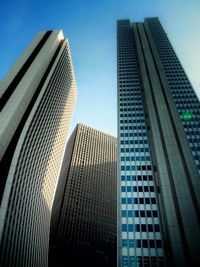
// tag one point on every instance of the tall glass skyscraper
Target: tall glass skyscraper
(159, 151)
(37, 99)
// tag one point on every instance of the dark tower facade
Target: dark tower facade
(84, 222)
(158, 152)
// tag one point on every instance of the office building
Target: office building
(37, 99)
(158, 152)
(84, 220)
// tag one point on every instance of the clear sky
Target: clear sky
(90, 26)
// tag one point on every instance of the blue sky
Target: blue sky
(90, 27)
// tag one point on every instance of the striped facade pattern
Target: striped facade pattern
(139, 234)
(185, 98)
(156, 97)
(30, 186)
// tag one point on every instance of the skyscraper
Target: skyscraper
(84, 220)
(159, 151)
(37, 99)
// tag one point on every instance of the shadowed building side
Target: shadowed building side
(83, 226)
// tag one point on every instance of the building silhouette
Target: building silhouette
(84, 220)
(158, 152)
(37, 99)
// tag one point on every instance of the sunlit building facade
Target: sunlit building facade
(37, 99)
(84, 220)
(158, 152)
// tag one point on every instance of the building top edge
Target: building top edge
(81, 125)
(128, 20)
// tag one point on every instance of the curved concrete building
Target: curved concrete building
(37, 99)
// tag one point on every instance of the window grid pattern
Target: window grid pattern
(26, 230)
(186, 101)
(87, 223)
(140, 238)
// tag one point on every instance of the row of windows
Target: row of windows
(132, 142)
(134, 243)
(136, 178)
(126, 47)
(136, 92)
(135, 108)
(133, 134)
(138, 125)
(126, 60)
(195, 148)
(185, 105)
(145, 200)
(142, 243)
(194, 113)
(190, 122)
(139, 103)
(129, 77)
(132, 127)
(136, 149)
(130, 99)
(190, 125)
(135, 114)
(128, 64)
(131, 73)
(126, 55)
(124, 32)
(128, 82)
(125, 70)
(121, 55)
(186, 101)
(131, 85)
(194, 140)
(137, 158)
(136, 95)
(132, 121)
(132, 261)
(132, 89)
(183, 93)
(140, 228)
(124, 38)
(136, 168)
(137, 189)
(125, 67)
(192, 132)
(139, 213)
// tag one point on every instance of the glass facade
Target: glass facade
(140, 239)
(187, 103)
(158, 151)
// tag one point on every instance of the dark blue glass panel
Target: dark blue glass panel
(123, 213)
(124, 227)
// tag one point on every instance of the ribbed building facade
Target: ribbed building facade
(37, 99)
(84, 221)
(158, 152)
